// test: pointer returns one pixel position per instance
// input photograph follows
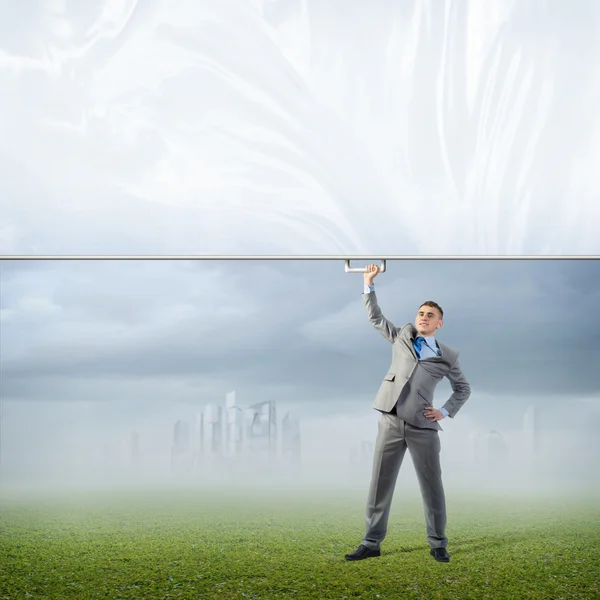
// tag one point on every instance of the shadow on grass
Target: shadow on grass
(463, 545)
(485, 543)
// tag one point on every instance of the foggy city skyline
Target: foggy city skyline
(93, 351)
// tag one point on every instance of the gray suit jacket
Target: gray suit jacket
(410, 383)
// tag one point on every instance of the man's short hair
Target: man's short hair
(433, 305)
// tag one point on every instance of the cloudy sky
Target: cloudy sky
(298, 126)
(110, 345)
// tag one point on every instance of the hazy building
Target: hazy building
(214, 429)
(366, 451)
(180, 449)
(199, 447)
(488, 450)
(479, 450)
(234, 426)
(290, 438)
(497, 451)
(362, 454)
(261, 430)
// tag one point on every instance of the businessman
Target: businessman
(409, 420)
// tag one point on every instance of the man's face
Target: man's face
(428, 320)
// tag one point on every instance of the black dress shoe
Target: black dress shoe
(440, 554)
(362, 552)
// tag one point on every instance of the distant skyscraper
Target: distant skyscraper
(214, 421)
(366, 450)
(181, 444)
(362, 454)
(479, 444)
(497, 452)
(261, 429)
(199, 446)
(234, 425)
(488, 449)
(290, 438)
(181, 437)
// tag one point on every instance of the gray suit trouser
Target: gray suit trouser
(393, 438)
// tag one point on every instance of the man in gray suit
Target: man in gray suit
(408, 420)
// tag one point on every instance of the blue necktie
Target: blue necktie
(418, 344)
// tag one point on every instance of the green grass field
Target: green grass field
(244, 544)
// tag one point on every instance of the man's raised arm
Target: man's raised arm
(381, 324)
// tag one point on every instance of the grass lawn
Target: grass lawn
(244, 543)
